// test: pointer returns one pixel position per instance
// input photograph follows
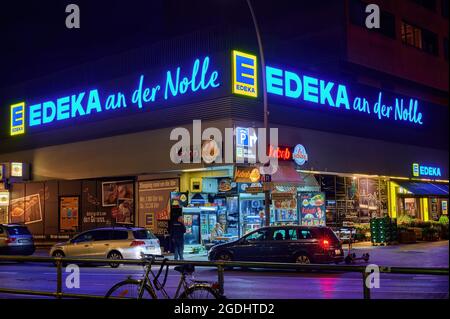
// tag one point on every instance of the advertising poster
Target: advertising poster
(178, 199)
(119, 196)
(26, 209)
(112, 192)
(312, 208)
(69, 209)
(154, 202)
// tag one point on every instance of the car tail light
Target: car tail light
(10, 240)
(135, 243)
(325, 244)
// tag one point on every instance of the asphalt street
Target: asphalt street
(253, 284)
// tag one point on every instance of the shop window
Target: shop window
(419, 38)
(358, 15)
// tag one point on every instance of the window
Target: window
(100, 235)
(305, 234)
(444, 8)
(18, 230)
(419, 38)
(279, 234)
(84, 237)
(427, 4)
(446, 49)
(258, 235)
(119, 235)
(293, 234)
(143, 234)
(358, 15)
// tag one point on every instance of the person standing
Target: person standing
(178, 230)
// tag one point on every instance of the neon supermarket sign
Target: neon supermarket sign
(177, 82)
(420, 170)
(293, 85)
(202, 76)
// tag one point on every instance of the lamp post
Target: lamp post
(265, 105)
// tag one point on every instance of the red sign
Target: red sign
(283, 153)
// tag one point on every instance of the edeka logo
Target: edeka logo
(245, 78)
(17, 119)
(426, 170)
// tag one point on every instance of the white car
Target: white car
(114, 243)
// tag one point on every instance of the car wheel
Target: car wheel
(302, 259)
(114, 255)
(224, 256)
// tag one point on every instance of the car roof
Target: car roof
(294, 226)
(132, 228)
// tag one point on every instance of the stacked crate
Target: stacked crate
(383, 230)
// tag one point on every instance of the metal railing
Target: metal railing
(219, 265)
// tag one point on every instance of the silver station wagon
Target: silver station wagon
(114, 243)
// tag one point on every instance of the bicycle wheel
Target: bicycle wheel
(200, 292)
(130, 289)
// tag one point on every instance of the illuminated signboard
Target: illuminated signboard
(245, 79)
(420, 170)
(335, 95)
(85, 103)
(16, 169)
(285, 153)
(17, 118)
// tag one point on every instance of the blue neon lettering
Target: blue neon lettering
(311, 90)
(93, 102)
(410, 114)
(290, 77)
(62, 107)
(182, 87)
(342, 97)
(35, 114)
(47, 116)
(274, 79)
(325, 93)
(76, 105)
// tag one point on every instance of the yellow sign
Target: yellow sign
(17, 119)
(245, 77)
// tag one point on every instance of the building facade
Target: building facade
(362, 121)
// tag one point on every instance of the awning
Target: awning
(424, 188)
(286, 173)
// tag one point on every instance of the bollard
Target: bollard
(366, 290)
(221, 279)
(58, 278)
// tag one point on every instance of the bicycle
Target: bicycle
(146, 288)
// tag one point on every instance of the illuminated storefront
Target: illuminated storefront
(103, 148)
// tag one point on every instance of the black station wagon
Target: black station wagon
(291, 244)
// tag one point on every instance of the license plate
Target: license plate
(23, 241)
(149, 247)
(337, 252)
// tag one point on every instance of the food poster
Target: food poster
(312, 208)
(154, 202)
(119, 196)
(26, 209)
(69, 209)
(178, 199)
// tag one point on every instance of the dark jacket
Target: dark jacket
(177, 231)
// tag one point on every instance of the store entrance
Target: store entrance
(192, 223)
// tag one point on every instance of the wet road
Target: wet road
(264, 283)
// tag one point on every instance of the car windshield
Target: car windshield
(18, 230)
(143, 234)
